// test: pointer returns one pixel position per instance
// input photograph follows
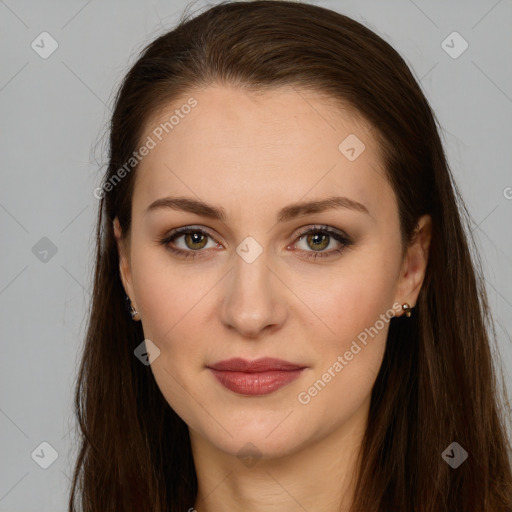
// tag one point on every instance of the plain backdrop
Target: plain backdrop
(54, 113)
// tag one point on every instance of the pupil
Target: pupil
(195, 239)
(318, 239)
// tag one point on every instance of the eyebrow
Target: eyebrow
(285, 214)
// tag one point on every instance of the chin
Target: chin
(262, 439)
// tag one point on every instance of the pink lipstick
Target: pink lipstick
(259, 377)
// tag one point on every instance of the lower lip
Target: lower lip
(260, 383)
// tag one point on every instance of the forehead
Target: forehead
(244, 149)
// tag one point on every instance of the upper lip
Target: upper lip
(264, 364)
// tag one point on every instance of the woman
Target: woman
(306, 328)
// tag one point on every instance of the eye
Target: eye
(319, 238)
(194, 240)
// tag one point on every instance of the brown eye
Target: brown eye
(188, 242)
(318, 238)
(195, 240)
(320, 241)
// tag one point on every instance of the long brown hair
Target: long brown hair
(438, 382)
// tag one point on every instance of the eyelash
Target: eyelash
(342, 239)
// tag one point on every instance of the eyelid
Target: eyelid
(340, 236)
(324, 228)
(186, 229)
(301, 232)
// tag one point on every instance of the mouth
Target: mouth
(259, 377)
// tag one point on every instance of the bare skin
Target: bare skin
(252, 155)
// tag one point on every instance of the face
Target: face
(255, 273)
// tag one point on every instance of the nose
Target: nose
(253, 299)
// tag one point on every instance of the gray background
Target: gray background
(53, 117)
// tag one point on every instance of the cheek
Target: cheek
(172, 305)
(175, 322)
(348, 362)
(357, 307)
(167, 294)
(360, 321)
(349, 301)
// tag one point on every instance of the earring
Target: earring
(407, 309)
(135, 315)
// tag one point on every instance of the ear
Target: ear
(414, 266)
(124, 261)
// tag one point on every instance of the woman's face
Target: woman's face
(245, 284)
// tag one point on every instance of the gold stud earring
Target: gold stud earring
(407, 309)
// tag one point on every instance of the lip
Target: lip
(258, 377)
(265, 364)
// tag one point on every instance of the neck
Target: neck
(319, 476)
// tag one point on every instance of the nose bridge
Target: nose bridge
(251, 302)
